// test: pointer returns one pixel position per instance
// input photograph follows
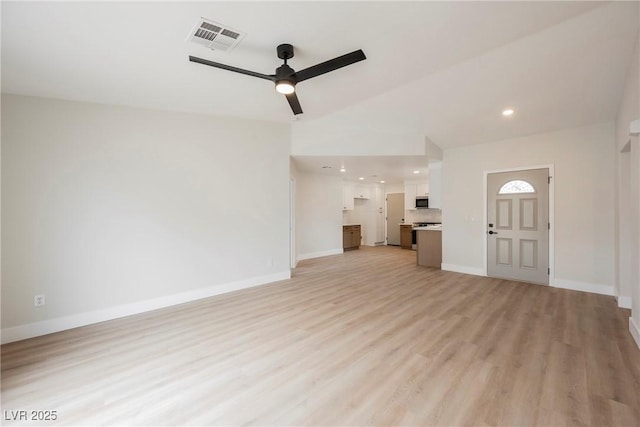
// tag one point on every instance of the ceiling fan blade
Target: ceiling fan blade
(294, 103)
(330, 65)
(230, 68)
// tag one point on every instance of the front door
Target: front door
(518, 225)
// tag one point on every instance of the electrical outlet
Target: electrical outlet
(38, 301)
(270, 261)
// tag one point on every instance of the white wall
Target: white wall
(111, 210)
(358, 131)
(394, 188)
(627, 176)
(422, 215)
(584, 200)
(318, 215)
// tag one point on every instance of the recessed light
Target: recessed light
(361, 178)
(416, 171)
(507, 112)
(342, 169)
(382, 182)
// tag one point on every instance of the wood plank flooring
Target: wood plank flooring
(363, 338)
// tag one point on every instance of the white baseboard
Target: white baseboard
(320, 254)
(635, 331)
(574, 285)
(463, 269)
(45, 327)
(624, 302)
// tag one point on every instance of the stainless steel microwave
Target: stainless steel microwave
(422, 202)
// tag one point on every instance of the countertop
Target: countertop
(423, 227)
(429, 228)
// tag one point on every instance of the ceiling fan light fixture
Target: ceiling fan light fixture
(285, 87)
(285, 77)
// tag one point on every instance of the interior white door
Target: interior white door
(518, 225)
(395, 215)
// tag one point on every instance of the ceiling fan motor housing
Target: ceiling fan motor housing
(285, 51)
(284, 72)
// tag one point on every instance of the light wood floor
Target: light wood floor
(364, 338)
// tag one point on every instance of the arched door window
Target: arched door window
(516, 186)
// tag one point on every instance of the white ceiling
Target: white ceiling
(449, 67)
(391, 169)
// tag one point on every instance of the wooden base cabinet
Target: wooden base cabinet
(430, 248)
(351, 236)
(406, 238)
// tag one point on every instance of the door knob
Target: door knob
(493, 232)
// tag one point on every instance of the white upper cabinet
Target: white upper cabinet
(379, 213)
(379, 198)
(347, 197)
(422, 189)
(410, 191)
(352, 190)
(361, 191)
(435, 184)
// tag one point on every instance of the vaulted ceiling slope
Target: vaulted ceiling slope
(447, 68)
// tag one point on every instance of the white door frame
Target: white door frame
(485, 219)
(293, 261)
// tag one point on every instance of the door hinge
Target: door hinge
(548, 226)
(548, 180)
(548, 271)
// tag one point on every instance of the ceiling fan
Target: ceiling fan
(286, 77)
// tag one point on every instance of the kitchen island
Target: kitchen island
(429, 246)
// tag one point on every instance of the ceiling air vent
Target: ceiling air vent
(215, 35)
